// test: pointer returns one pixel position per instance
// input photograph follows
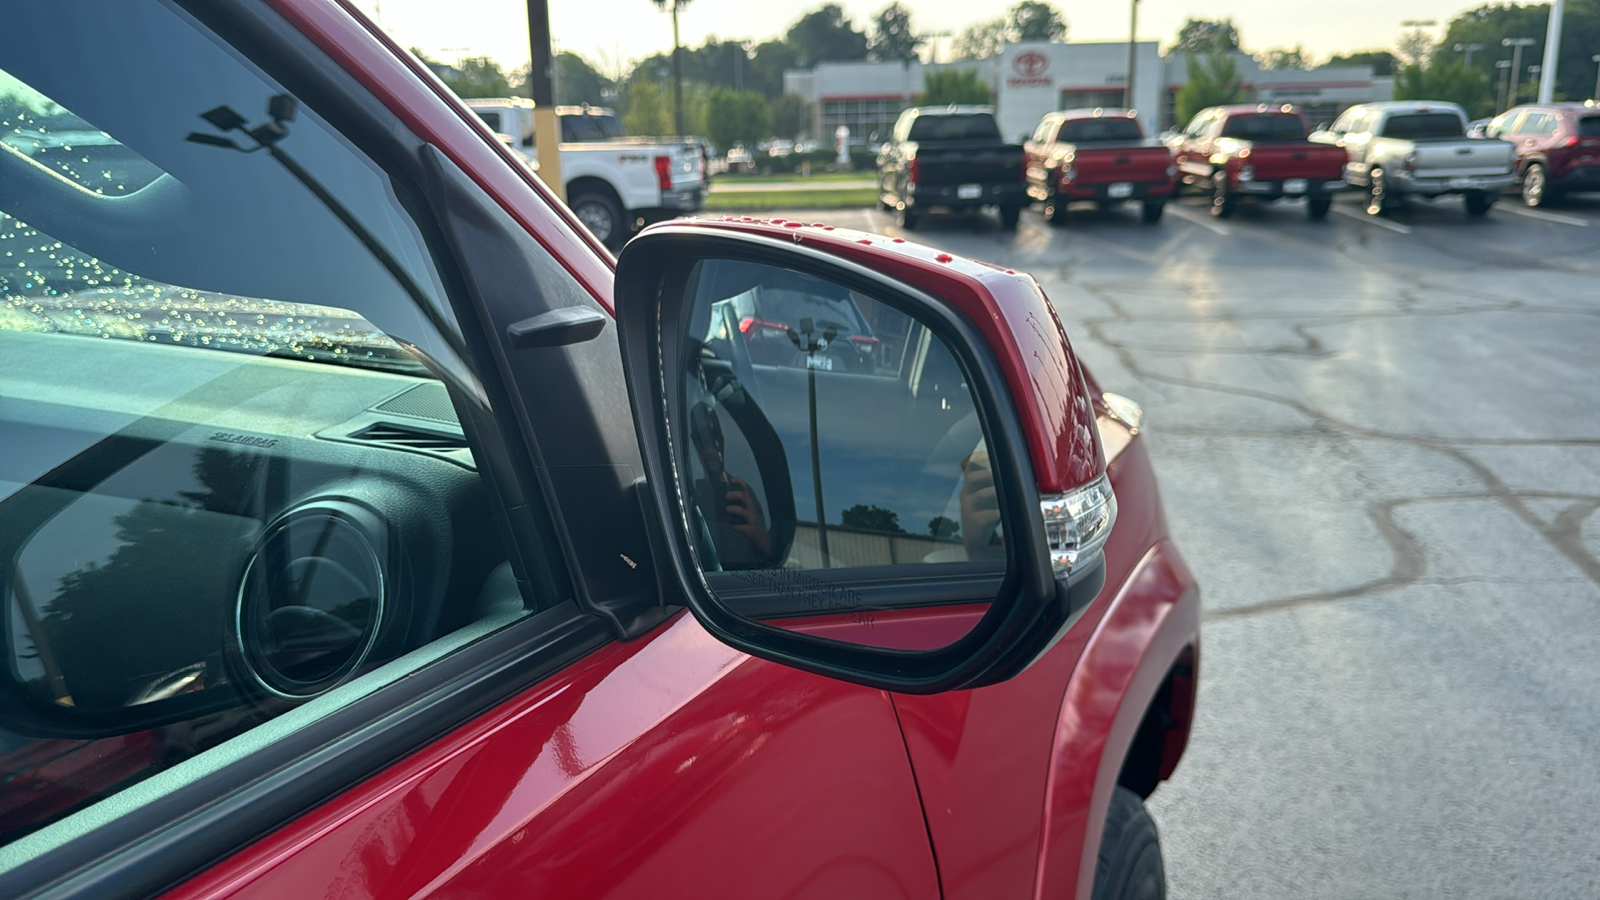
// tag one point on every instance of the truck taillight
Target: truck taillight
(664, 172)
(913, 173)
(762, 328)
(1409, 164)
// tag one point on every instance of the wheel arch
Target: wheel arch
(1145, 650)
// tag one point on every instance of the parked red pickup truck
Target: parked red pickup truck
(1100, 155)
(368, 530)
(1258, 153)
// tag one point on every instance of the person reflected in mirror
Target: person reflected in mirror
(980, 508)
(727, 504)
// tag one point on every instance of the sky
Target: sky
(611, 33)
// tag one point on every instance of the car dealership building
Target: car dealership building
(1028, 80)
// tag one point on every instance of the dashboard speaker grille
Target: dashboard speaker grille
(425, 401)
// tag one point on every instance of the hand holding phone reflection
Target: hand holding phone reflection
(737, 524)
(980, 509)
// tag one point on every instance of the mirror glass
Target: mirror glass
(832, 462)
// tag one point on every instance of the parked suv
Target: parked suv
(368, 530)
(1557, 147)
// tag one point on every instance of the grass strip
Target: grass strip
(752, 201)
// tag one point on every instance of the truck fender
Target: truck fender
(1152, 624)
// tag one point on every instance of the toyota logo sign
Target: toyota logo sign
(1030, 64)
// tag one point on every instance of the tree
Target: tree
(871, 518)
(953, 87)
(576, 81)
(767, 65)
(1486, 25)
(981, 40)
(1381, 61)
(477, 76)
(791, 115)
(1451, 81)
(1414, 48)
(825, 35)
(1201, 35)
(1285, 58)
(892, 38)
(734, 117)
(1213, 81)
(1033, 20)
(943, 527)
(647, 111)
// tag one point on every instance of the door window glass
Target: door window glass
(236, 475)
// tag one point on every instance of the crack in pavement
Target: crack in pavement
(1563, 535)
(1410, 560)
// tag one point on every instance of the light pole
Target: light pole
(542, 81)
(1504, 65)
(1516, 45)
(1133, 37)
(1468, 49)
(1596, 59)
(1552, 53)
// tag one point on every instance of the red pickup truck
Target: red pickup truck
(1100, 155)
(368, 530)
(1257, 153)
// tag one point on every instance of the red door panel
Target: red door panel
(671, 766)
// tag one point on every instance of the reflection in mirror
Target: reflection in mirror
(834, 460)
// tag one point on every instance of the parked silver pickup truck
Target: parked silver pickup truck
(1419, 147)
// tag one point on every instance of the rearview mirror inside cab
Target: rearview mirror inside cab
(843, 477)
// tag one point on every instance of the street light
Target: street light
(1552, 52)
(1596, 59)
(1504, 65)
(1516, 45)
(1468, 49)
(1133, 31)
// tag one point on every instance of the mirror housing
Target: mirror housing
(1056, 504)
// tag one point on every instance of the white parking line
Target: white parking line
(1543, 216)
(1203, 219)
(1372, 220)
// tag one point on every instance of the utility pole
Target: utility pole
(1596, 96)
(541, 78)
(1133, 38)
(1468, 50)
(1552, 53)
(1504, 65)
(1516, 45)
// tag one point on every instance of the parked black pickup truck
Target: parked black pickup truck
(950, 157)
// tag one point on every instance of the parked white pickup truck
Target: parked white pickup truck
(613, 186)
(1419, 147)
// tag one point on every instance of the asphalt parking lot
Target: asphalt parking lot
(1379, 444)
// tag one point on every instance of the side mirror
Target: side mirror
(919, 517)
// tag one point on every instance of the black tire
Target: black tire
(907, 218)
(1009, 216)
(1536, 186)
(1317, 206)
(1477, 203)
(1129, 866)
(602, 215)
(1055, 209)
(1151, 212)
(1379, 201)
(1223, 203)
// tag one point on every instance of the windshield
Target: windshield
(204, 245)
(1265, 127)
(954, 127)
(1424, 125)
